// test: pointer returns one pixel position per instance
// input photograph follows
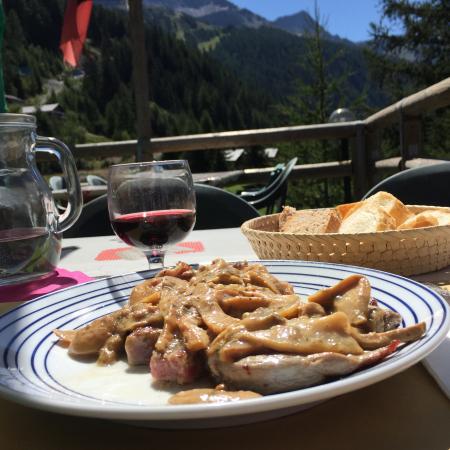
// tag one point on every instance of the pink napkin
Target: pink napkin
(61, 278)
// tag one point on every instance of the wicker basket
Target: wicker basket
(405, 252)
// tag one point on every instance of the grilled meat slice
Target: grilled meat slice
(268, 374)
(300, 352)
(139, 345)
(176, 363)
(178, 356)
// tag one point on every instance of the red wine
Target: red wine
(154, 228)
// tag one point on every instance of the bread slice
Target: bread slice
(428, 218)
(419, 221)
(309, 221)
(442, 217)
(287, 212)
(390, 204)
(346, 209)
(367, 219)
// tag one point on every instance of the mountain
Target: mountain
(300, 24)
(274, 61)
(220, 13)
(190, 92)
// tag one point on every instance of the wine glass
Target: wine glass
(151, 205)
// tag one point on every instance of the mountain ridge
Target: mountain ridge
(271, 62)
(223, 13)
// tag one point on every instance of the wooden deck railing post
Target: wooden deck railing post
(140, 79)
(411, 138)
(347, 181)
(373, 150)
(360, 164)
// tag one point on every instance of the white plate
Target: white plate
(35, 371)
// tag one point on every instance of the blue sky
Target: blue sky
(347, 18)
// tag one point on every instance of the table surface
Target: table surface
(406, 411)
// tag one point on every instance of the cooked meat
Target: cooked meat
(250, 328)
(177, 357)
(382, 319)
(93, 337)
(352, 296)
(181, 270)
(221, 272)
(370, 341)
(289, 354)
(203, 297)
(146, 292)
(139, 345)
(176, 364)
(268, 374)
(326, 297)
(150, 290)
(304, 335)
(109, 353)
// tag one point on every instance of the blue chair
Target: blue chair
(428, 185)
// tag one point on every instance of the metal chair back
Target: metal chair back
(273, 196)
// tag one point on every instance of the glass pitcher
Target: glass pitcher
(30, 224)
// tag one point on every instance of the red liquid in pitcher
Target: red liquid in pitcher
(154, 228)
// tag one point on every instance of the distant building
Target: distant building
(50, 108)
(233, 155)
(12, 99)
(271, 152)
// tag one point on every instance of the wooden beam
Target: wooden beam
(429, 99)
(223, 140)
(140, 79)
(394, 163)
(332, 169)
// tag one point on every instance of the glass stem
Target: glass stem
(155, 258)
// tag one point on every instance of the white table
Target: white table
(89, 255)
(407, 410)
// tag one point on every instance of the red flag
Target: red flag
(76, 23)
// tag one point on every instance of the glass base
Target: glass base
(155, 258)
(25, 278)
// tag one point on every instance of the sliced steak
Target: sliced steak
(268, 374)
(139, 345)
(176, 363)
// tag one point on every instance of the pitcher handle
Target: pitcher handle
(75, 199)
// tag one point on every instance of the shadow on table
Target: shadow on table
(68, 250)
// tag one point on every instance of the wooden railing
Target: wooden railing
(364, 136)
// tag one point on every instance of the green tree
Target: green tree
(408, 61)
(418, 56)
(318, 91)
